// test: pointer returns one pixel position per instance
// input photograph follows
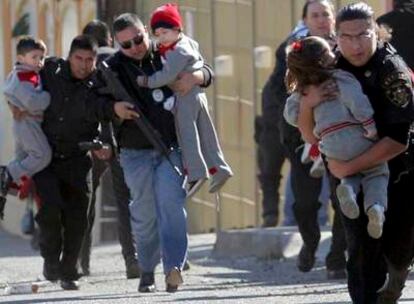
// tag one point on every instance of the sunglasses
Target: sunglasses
(137, 40)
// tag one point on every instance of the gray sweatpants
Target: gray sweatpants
(346, 144)
(32, 150)
(197, 136)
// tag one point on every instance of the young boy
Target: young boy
(23, 89)
(195, 131)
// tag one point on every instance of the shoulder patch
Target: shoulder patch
(397, 84)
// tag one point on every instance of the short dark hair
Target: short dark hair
(27, 44)
(309, 2)
(83, 42)
(355, 11)
(126, 20)
(98, 30)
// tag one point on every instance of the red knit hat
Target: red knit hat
(166, 16)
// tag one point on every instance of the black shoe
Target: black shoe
(132, 269)
(51, 271)
(147, 282)
(186, 266)
(306, 259)
(69, 285)
(339, 274)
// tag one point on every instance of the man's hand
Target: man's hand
(314, 95)
(186, 81)
(338, 168)
(125, 110)
(105, 153)
(16, 112)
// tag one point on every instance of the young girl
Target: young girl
(345, 126)
(195, 130)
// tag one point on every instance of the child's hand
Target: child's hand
(371, 134)
(314, 95)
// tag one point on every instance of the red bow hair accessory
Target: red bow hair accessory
(297, 46)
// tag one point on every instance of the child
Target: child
(23, 89)
(195, 131)
(345, 126)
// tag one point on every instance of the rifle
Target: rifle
(117, 90)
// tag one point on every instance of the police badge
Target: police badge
(158, 95)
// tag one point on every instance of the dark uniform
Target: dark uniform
(122, 197)
(306, 190)
(271, 154)
(64, 186)
(386, 81)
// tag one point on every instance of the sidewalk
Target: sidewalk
(210, 280)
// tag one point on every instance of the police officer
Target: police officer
(64, 185)
(400, 22)
(386, 80)
(100, 31)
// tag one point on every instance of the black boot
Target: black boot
(147, 282)
(306, 259)
(69, 285)
(51, 271)
(132, 268)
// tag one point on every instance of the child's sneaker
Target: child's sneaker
(218, 180)
(5, 181)
(376, 220)
(318, 168)
(347, 201)
(194, 186)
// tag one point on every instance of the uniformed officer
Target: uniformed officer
(386, 80)
(63, 186)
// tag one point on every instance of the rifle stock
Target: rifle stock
(118, 91)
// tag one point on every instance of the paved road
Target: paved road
(209, 280)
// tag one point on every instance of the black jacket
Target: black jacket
(75, 108)
(128, 135)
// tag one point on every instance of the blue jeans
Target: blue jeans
(158, 217)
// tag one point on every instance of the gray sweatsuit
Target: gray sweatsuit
(341, 124)
(195, 131)
(32, 151)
